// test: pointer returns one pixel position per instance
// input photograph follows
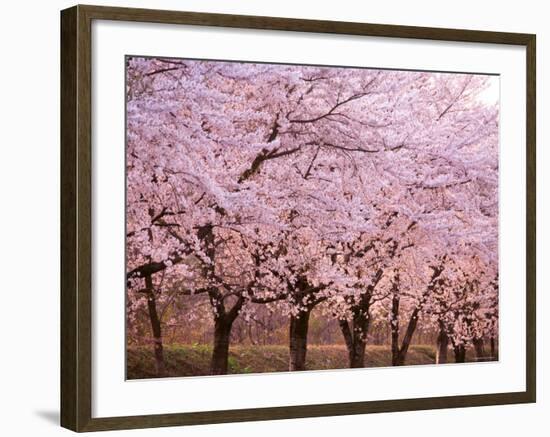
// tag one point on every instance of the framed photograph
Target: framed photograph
(268, 218)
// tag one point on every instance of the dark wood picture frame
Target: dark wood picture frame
(76, 218)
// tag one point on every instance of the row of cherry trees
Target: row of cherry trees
(362, 194)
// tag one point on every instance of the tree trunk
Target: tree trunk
(399, 352)
(348, 337)
(155, 327)
(220, 353)
(399, 360)
(357, 356)
(442, 346)
(460, 353)
(355, 339)
(298, 340)
(394, 328)
(480, 349)
(223, 322)
(493, 349)
(355, 332)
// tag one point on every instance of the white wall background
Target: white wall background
(29, 215)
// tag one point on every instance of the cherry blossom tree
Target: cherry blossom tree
(296, 186)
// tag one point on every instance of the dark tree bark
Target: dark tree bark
(223, 322)
(298, 340)
(394, 326)
(355, 337)
(480, 349)
(399, 359)
(348, 336)
(399, 353)
(220, 352)
(357, 355)
(355, 331)
(460, 353)
(155, 326)
(442, 347)
(493, 349)
(223, 318)
(306, 297)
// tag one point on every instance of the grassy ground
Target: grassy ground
(194, 360)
